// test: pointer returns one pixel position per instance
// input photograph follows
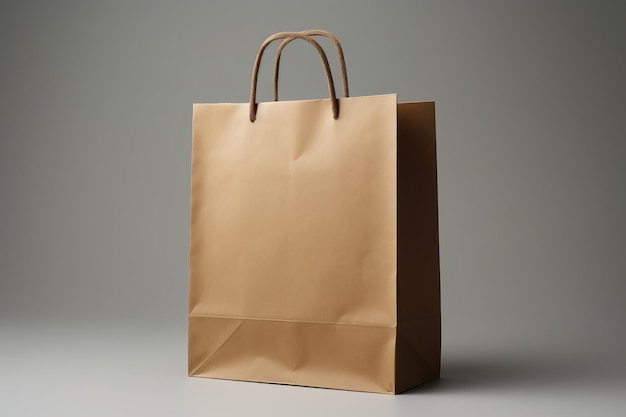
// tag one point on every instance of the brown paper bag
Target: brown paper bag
(314, 240)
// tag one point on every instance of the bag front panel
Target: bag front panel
(293, 217)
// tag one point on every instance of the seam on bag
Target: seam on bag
(334, 323)
(417, 354)
(207, 359)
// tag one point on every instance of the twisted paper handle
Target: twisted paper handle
(257, 64)
(314, 32)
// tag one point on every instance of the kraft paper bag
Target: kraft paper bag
(314, 253)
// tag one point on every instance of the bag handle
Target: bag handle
(314, 32)
(257, 64)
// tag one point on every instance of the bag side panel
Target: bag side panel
(419, 307)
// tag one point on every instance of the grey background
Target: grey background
(95, 135)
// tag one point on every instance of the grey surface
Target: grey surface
(95, 134)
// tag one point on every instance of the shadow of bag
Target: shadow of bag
(314, 253)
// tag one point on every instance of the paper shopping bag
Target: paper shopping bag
(314, 253)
